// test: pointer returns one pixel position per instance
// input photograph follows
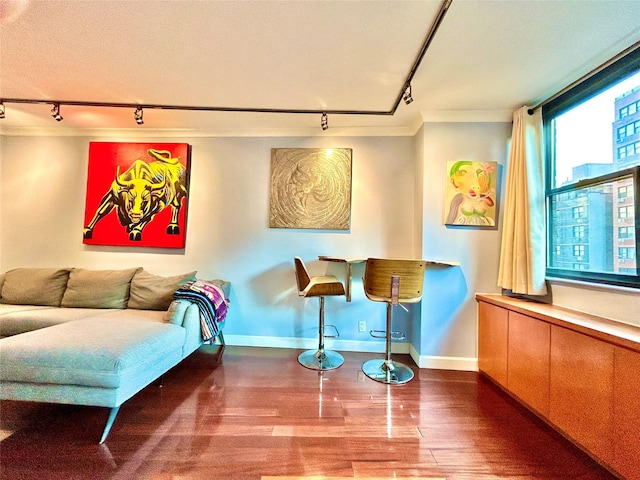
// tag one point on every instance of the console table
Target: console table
(349, 261)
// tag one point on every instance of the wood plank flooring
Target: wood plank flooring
(260, 415)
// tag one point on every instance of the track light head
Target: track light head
(1, 110)
(407, 96)
(55, 112)
(324, 121)
(138, 116)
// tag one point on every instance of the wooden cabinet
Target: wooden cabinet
(528, 360)
(492, 341)
(581, 392)
(578, 372)
(626, 413)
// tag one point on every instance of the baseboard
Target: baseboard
(466, 364)
(374, 346)
(422, 361)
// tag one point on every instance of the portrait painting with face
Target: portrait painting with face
(471, 193)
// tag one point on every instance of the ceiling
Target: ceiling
(486, 59)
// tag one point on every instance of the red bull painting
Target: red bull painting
(137, 194)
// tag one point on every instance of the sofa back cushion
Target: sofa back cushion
(98, 288)
(154, 292)
(34, 286)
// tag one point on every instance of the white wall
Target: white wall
(43, 192)
(397, 210)
(448, 323)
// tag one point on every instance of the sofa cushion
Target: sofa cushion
(158, 316)
(16, 319)
(154, 292)
(98, 288)
(91, 353)
(35, 286)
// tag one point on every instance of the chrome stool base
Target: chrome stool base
(320, 360)
(389, 372)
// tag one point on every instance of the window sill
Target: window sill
(604, 287)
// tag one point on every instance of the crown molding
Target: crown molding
(57, 131)
(463, 116)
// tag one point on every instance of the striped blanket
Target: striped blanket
(210, 299)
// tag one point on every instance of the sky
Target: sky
(584, 133)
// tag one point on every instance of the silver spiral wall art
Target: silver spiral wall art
(310, 188)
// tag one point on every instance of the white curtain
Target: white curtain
(522, 257)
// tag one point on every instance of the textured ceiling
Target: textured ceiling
(487, 58)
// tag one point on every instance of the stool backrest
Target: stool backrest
(302, 275)
(379, 281)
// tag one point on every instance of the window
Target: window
(630, 109)
(625, 213)
(629, 150)
(592, 147)
(628, 130)
(625, 253)
(578, 212)
(625, 232)
(624, 192)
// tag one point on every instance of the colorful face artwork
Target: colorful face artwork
(472, 193)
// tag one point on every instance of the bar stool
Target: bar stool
(394, 282)
(321, 287)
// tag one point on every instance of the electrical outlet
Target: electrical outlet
(362, 326)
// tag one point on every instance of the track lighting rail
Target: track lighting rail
(444, 7)
(406, 87)
(81, 103)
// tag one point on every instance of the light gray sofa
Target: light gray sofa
(91, 337)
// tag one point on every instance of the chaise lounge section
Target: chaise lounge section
(92, 337)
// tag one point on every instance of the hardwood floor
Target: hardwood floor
(260, 414)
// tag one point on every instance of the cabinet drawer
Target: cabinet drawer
(493, 328)
(581, 390)
(626, 413)
(528, 361)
